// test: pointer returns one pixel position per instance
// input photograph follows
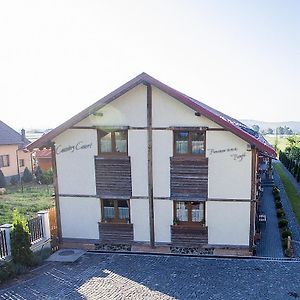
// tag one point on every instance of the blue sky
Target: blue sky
(58, 57)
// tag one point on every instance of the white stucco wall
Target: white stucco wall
(163, 219)
(229, 166)
(128, 110)
(80, 217)
(76, 167)
(139, 214)
(137, 150)
(168, 111)
(228, 223)
(162, 151)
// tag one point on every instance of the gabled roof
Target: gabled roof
(9, 136)
(231, 124)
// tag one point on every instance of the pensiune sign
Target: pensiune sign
(235, 156)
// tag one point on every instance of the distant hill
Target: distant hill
(295, 126)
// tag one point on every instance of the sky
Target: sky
(58, 57)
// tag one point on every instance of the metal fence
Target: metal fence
(3, 244)
(35, 226)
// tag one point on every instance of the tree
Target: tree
(269, 131)
(298, 176)
(38, 174)
(255, 127)
(20, 241)
(27, 176)
(296, 169)
(2, 180)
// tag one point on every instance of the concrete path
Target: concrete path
(123, 276)
(294, 227)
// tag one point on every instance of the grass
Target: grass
(281, 141)
(33, 198)
(290, 190)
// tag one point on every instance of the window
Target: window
(4, 161)
(113, 142)
(189, 212)
(115, 211)
(189, 142)
(21, 162)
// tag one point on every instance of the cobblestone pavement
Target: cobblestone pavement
(123, 276)
(270, 242)
(293, 224)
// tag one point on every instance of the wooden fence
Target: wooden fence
(53, 228)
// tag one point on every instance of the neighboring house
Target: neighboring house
(43, 159)
(14, 157)
(147, 165)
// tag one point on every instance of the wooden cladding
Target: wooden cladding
(189, 236)
(115, 233)
(113, 177)
(189, 178)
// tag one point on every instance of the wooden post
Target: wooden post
(253, 197)
(55, 183)
(150, 165)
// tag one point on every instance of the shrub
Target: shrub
(47, 177)
(286, 233)
(27, 176)
(20, 241)
(278, 204)
(277, 197)
(2, 180)
(275, 190)
(283, 223)
(280, 213)
(14, 180)
(9, 270)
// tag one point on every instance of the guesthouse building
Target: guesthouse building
(147, 166)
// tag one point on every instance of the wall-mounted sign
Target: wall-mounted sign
(71, 148)
(238, 157)
(235, 156)
(214, 151)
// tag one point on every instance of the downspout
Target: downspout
(150, 165)
(55, 184)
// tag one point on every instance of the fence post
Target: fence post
(44, 214)
(7, 229)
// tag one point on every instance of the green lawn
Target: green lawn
(281, 141)
(290, 190)
(33, 198)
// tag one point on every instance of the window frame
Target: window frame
(116, 219)
(189, 153)
(189, 222)
(2, 161)
(113, 142)
(21, 162)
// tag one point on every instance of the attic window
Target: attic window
(112, 142)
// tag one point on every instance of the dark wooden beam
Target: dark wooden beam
(150, 165)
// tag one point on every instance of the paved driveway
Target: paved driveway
(120, 276)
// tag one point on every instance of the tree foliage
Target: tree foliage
(27, 176)
(2, 180)
(20, 241)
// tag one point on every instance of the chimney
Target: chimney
(23, 135)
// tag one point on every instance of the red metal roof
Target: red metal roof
(45, 153)
(231, 124)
